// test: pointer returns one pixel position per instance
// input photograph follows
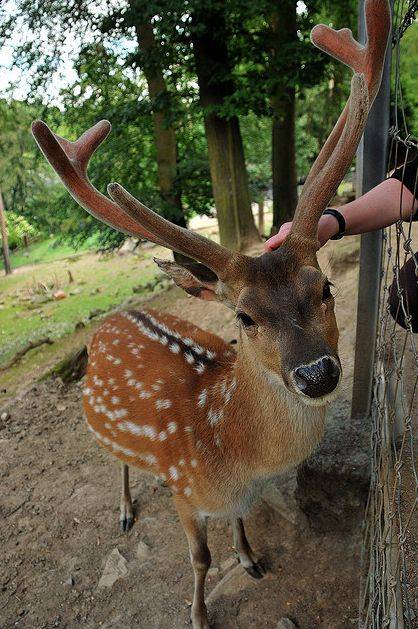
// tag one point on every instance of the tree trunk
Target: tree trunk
(226, 152)
(261, 216)
(283, 103)
(164, 132)
(4, 238)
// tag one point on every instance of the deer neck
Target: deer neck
(266, 425)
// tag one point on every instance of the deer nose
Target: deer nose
(319, 378)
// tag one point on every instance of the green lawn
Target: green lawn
(100, 282)
(45, 251)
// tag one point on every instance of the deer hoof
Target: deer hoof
(126, 523)
(256, 570)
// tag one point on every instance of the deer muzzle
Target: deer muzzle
(317, 379)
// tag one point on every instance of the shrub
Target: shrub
(17, 227)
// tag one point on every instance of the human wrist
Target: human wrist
(328, 226)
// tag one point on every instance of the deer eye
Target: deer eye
(245, 319)
(326, 291)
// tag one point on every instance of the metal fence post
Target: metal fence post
(371, 170)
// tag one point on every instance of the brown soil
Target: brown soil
(59, 510)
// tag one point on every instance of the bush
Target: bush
(17, 227)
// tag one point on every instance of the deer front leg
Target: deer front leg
(126, 518)
(246, 556)
(195, 528)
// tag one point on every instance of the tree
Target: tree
(283, 103)
(256, 131)
(226, 156)
(226, 152)
(4, 238)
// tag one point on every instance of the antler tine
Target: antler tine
(70, 161)
(368, 58)
(365, 59)
(198, 247)
(324, 186)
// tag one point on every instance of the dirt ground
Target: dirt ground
(59, 512)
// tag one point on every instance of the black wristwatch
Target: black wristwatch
(341, 222)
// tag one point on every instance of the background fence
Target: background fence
(389, 587)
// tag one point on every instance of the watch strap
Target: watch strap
(341, 222)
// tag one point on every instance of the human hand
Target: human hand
(328, 226)
(275, 241)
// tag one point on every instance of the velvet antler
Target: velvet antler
(70, 160)
(338, 151)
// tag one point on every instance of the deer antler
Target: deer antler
(338, 151)
(70, 161)
(173, 236)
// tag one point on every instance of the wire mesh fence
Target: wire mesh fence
(390, 565)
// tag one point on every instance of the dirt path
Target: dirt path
(59, 509)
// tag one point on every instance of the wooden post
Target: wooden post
(4, 238)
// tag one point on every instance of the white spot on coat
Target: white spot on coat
(203, 395)
(172, 427)
(173, 473)
(161, 404)
(189, 358)
(214, 416)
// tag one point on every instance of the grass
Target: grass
(45, 251)
(100, 283)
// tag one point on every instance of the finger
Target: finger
(274, 242)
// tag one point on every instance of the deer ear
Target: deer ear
(196, 279)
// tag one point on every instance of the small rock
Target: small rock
(115, 568)
(235, 581)
(285, 623)
(95, 313)
(142, 551)
(59, 294)
(281, 500)
(69, 581)
(228, 564)
(5, 416)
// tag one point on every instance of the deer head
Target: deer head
(283, 303)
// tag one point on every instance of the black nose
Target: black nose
(318, 379)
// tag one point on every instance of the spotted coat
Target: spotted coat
(142, 364)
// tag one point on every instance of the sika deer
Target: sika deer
(167, 397)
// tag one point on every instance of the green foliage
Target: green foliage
(409, 79)
(18, 227)
(111, 84)
(256, 132)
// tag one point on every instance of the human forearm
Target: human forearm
(380, 207)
